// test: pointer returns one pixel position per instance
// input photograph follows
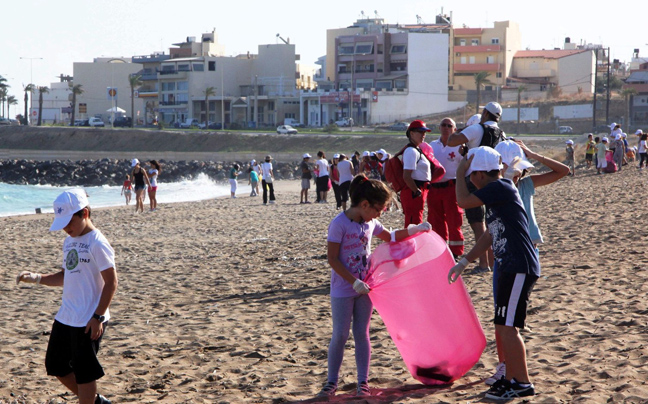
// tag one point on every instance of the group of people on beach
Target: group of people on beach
(476, 171)
(140, 180)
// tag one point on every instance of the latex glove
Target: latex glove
(28, 277)
(457, 270)
(361, 287)
(413, 229)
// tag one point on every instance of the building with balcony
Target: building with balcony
(147, 93)
(475, 50)
(638, 81)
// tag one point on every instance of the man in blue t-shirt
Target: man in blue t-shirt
(508, 234)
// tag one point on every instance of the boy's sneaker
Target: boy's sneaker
(329, 389)
(363, 389)
(500, 371)
(507, 390)
(101, 400)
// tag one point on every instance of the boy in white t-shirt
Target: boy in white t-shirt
(89, 281)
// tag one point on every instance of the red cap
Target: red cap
(418, 125)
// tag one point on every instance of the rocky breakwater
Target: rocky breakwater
(113, 172)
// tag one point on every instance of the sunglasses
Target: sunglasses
(446, 125)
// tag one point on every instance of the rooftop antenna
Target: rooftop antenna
(287, 42)
(419, 20)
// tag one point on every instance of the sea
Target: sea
(25, 199)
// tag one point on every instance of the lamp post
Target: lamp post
(31, 80)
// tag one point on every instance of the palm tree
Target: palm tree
(520, 90)
(135, 81)
(481, 78)
(41, 90)
(11, 100)
(76, 90)
(209, 91)
(627, 93)
(3, 98)
(28, 89)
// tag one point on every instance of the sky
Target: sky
(51, 35)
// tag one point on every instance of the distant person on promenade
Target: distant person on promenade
(267, 180)
(306, 177)
(126, 189)
(89, 280)
(153, 173)
(346, 170)
(141, 180)
(233, 179)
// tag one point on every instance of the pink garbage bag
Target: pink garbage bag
(432, 323)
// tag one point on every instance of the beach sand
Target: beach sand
(226, 301)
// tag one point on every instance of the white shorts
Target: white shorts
(601, 163)
(233, 185)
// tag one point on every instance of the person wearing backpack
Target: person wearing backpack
(484, 133)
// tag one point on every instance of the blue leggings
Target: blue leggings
(344, 310)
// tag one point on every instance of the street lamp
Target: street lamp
(31, 80)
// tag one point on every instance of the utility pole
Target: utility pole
(31, 81)
(222, 100)
(596, 51)
(256, 102)
(607, 106)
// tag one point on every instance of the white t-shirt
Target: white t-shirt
(418, 163)
(449, 158)
(474, 133)
(642, 146)
(345, 168)
(265, 171)
(323, 167)
(84, 258)
(153, 173)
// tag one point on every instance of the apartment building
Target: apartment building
(638, 81)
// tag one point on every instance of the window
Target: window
(345, 84)
(313, 102)
(168, 69)
(289, 115)
(364, 68)
(463, 60)
(386, 84)
(364, 48)
(474, 42)
(342, 68)
(498, 75)
(380, 48)
(400, 83)
(184, 68)
(398, 66)
(198, 67)
(183, 85)
(471, 60)
(462, 42)
(182, 98)
(212, 66)
(490, 59)
(364, 84)
(380, 67)
(170, 86)
(346, 49)
(271, 105)
(399, 49)
(495, 41)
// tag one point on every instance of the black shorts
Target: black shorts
(70, 350)
(322, 183)
(344, 191)
(513, 291)
(589, 157)
(478, 214)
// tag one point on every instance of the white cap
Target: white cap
(336, 156)
(134, 162)
(613, 125)
(252, 162)
(639, 132)
(474, 119)
(494, 108)
(604, 139)
(486, 159)
(66, 205)
(623, 135)
(509, 150)
(381, 151)
(617, 136)
(569, 142)
(306, 156)
(366, 153)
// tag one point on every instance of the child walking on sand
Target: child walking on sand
(569, 149)
(253, 181)
(517, 261)
(233, 179)
(349, 246)
(89, 282)
(127, 189)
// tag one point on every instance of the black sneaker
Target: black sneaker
(329, 389)
(507, 390)
(363, 389)
(101, 400)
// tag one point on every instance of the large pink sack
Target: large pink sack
(432, 323)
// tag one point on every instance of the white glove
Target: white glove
(28, 277)
(457, 270)
(417, 228)
(361, 287)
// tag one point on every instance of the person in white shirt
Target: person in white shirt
(267, 180)
(445, 216)
(322, 176)
(416, 174)
(347, 172)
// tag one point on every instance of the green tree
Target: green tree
(209, 91)
(520, 90)
(28, 89)
(76, 90)
(627, 94)
(41, 90)
(135, 82)
(3, 97)
(481, 78)
(11, 100)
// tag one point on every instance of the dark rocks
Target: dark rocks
(113, 172)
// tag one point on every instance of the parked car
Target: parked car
(4, 121)
(399, 127)
(123, 122)
(80, 122)
(286, 130)
(215, 125)
(565, 129)
(343, 122)
(96, 122)
(189, 123)
(202, 125)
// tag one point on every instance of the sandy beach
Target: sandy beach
(226, 301)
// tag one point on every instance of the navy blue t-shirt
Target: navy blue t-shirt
(509, 226)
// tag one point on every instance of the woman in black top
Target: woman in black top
(141, 180)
